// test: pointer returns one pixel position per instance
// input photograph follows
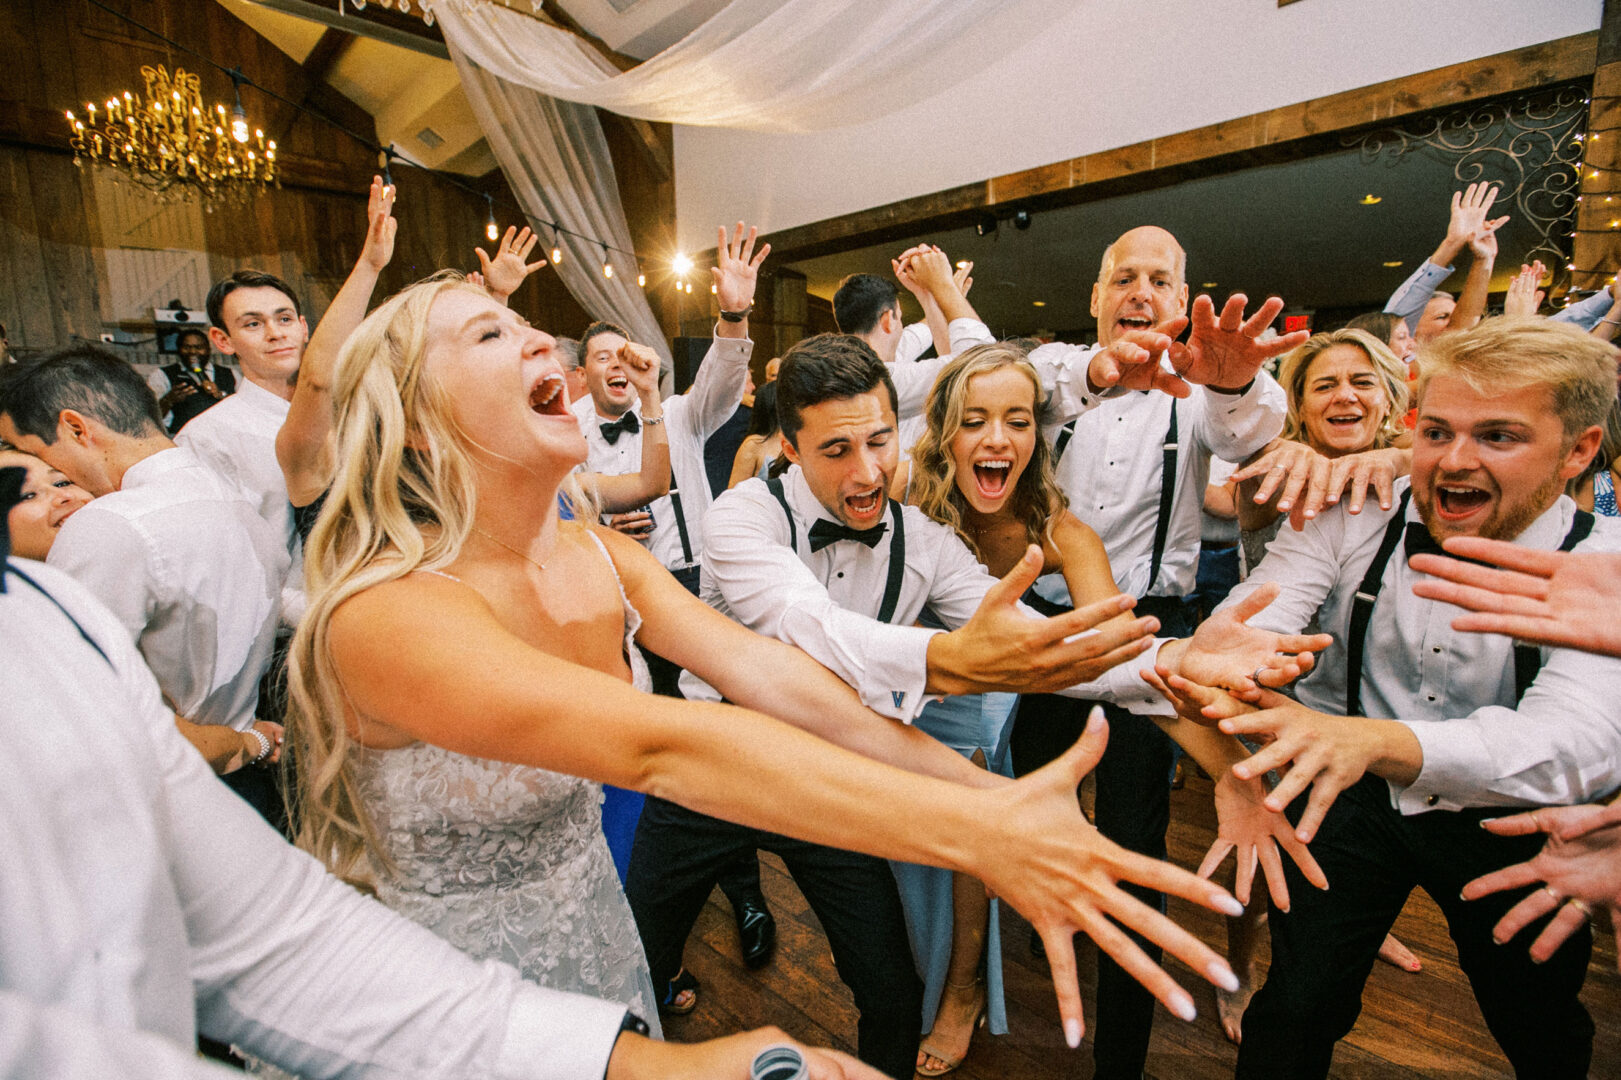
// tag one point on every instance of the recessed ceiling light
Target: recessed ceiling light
(1393, 262)
(1370, 200)
(1039, 303)
(1207, 285)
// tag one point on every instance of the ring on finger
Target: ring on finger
(1255, 676)
(1581, 906)
(1553, 892)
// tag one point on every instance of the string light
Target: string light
(239, 115)
(641, 279)
(491, 229)
(681, 265)
(607, 267)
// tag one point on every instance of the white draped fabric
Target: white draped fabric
(768, 65)
(765, 65)
(556, 161)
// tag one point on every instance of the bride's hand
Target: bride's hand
(1045, 859)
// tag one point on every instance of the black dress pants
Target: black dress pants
(675, 862)
(1133, 809)
(1323, 949)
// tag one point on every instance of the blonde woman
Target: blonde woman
(983, 468)
(462, 640)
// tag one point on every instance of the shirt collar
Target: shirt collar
(261, 399)
(806, 506)
(155, 465)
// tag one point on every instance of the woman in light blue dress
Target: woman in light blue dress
(983, 468)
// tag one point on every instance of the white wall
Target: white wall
(1112, 73)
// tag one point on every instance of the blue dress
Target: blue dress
(966, 723)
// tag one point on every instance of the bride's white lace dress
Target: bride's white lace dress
(509, 862)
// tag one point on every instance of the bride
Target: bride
(461, 641)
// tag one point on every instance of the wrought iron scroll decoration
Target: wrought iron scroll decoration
(1531, 144)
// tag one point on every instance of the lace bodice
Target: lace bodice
(509, 861)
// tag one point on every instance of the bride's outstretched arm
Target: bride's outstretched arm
(771, 677)
(427, 657)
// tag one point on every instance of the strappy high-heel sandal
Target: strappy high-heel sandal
(951, 1064)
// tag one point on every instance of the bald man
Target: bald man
(1135, 470)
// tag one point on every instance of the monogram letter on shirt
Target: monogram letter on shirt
(898, 697)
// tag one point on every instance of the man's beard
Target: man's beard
(1506, 522)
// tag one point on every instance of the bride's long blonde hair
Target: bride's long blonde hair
(403, 499)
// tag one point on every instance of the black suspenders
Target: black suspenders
(897, 549)
(680, 523)
(1167, 487)
(1527, 658)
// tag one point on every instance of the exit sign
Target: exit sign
(1291, 323)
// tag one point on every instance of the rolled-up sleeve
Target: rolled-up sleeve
(1407, 302)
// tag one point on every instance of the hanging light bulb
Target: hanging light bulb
(680, 264)
(641, 279)
(491, 229)
(557, 251)
(239, 115)
(607, 267)
(714, 290)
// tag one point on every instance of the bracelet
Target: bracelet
(737, 316)
(264, 745)
(1612, 322)
(652, 421)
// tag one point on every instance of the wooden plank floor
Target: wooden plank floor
(1412, 1025)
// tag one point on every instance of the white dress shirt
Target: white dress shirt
(141, 900)
(237, 439)
(192, 573)
(826, 603)
(1111, 472)
(689, 420)
(1560, 744)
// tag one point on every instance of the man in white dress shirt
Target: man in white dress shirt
(141, 905)
(188, 567)
(256, 317)
(1135, 469)
(1508, 412)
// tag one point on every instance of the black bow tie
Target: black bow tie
(824, 532)
(1418, 541)
(626, 423)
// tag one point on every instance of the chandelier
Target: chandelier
(167, 141)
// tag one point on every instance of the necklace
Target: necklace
(509, 547)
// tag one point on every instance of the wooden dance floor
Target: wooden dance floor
(1412, 1025)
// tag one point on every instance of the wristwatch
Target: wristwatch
(737, 316)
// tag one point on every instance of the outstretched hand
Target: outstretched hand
(1132, 361)
(1523, 298)
(1003, 647)
(737, 267)
(1064, 876)
(1580, 862)
(1226, 651)
(1550, 597)
(1227, 353)
(1248, 828)
(378, 248)
(504, 273)
(1311, 481)
(1469, 209)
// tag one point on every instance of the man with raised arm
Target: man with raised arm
(1409, 729)
(1135, 469)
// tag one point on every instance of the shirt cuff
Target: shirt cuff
(745, 343)
(897, 672)
(966, 333)
(1123, 685)
(1456, 765)
(552, 1035)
